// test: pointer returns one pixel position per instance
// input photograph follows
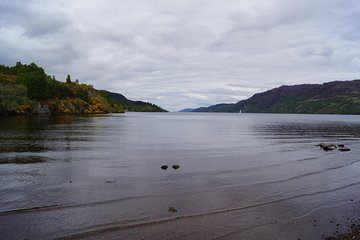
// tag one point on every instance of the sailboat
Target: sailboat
(240, 111)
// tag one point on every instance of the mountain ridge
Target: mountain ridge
(131, 105)
(186, 110)
(336, 97)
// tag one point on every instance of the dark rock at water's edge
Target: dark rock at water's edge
(327, 147)
(175, 166)
(330, 147)
(344, 149)
(338, 97)
(321, 145)
(165, 167)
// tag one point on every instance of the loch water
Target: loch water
(241, 176)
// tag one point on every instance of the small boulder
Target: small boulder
(175, 166)
(341, 145)
(344, 149)
(164, 167)
(329, 147)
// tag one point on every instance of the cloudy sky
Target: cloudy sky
(185, 53)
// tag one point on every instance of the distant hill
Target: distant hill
(186, 110)
(27, 89)
(129, 105)
(338, 97)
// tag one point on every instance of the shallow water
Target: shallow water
(241, 176)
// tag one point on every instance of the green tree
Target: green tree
(68, 78)
(11, 96)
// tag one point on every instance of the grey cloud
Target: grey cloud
(184, 53)
(325, 52)
(35, 18)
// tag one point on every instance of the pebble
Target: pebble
(172, 209)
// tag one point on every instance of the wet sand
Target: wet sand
(322, 224)
(316, 225)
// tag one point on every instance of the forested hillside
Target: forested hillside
(129, 105)
(27, 89)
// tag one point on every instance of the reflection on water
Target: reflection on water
(241, 176)
(23, 160)
(310, 130)
(30, 139)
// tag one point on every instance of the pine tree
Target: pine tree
(68, 78)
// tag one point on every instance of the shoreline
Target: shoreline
(352, 234)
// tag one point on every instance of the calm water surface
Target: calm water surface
(241, 176)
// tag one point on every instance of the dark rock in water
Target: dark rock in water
(341, 145)
(344, 149)
(164, 167)
(175, 166)
(321, 145)
(172, 209)
(327, 147)
(110, 181)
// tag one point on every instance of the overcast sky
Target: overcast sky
(185, 53)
